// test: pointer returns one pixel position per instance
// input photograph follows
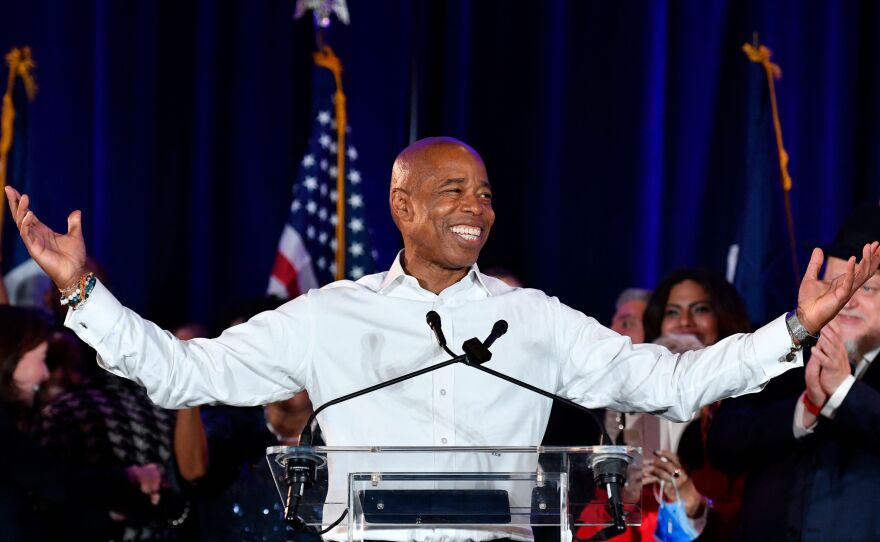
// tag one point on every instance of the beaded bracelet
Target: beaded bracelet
(74, 296)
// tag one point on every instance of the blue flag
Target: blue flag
(18, 158)
(766, 271)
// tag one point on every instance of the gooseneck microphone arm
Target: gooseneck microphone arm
(302, 471)
(433, 319)
(305, 438)
(604, 433)
(476, 354)
(609, 470)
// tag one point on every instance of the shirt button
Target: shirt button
(83, 325)
(443, 440)
(443, 392)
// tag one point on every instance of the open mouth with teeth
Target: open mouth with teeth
(468, 233)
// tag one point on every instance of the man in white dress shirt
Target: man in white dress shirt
(350, 335)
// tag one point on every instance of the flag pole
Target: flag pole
(761, 54)
(325, 58)
(20, 65)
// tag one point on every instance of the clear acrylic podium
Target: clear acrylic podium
(479, 493)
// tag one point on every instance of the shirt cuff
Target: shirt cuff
(836, 399)
(95, 317)
(800, 431)
(772, 344)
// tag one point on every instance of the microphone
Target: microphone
(609, 468)
(609, 471)
(301, 471)
(433, 319)
(478, 352)
(434, 323)
(499, 329)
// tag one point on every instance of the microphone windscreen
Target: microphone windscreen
(433, 319)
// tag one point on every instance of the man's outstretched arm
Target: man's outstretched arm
(265, 359)
(605, 369)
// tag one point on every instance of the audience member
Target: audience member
(630, 307)
(24, 286)
(96, 420)
(70, 366)
(38, 489)
(690, 309)
(810, 442)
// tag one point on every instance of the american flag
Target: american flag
(306, 256)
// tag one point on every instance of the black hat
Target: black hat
(861, 228)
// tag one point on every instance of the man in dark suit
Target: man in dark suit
(810, 442)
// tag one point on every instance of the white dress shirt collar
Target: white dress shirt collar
(865, 362)
(396, 275)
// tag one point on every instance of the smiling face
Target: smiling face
(859, 321)
(690, 311)
(442, 203)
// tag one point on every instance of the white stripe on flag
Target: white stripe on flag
(294, 250)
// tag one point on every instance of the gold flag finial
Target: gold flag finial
(21, 64)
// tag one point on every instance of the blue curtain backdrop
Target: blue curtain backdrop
(614, 132)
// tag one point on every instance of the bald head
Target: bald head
(441, 202)
(424, 157)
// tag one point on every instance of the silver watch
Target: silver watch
(797, 330)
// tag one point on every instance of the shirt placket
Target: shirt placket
(443, 389)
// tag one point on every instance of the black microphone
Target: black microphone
(609, 472)
(499, 329)
(609, 468)
(434, 323)
(301, 471)
(433, 319)
(478, 352)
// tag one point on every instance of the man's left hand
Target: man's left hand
(819, 301)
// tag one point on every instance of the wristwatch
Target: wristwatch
(797, 330)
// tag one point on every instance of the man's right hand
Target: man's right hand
(62, 257)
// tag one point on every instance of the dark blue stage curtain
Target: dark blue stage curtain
(614, 132)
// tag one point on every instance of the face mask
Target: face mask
(673, 525)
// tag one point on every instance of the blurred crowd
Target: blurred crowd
(91, 451)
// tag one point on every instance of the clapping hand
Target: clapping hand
(62, 257)
(828, 366)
